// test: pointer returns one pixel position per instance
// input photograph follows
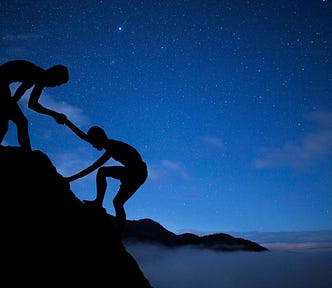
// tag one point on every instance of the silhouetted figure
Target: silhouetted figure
(29, 75)
(132, 174)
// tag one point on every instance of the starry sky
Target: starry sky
(229, 103)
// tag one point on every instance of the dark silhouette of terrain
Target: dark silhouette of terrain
(49, 236)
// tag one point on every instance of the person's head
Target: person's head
(56, 75)
(97, 137)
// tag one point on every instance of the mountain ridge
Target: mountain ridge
(147, 230)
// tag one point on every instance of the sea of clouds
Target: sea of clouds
(295, 264)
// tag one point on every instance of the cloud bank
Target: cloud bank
(193, 268)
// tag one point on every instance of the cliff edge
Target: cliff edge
(49, 236)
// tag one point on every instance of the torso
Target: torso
(124, 153)
(19, 71)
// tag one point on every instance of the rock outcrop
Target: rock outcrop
(49, 237)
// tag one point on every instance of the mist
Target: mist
(195, 268)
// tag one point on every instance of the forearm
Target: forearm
(77, 176)
(76, 130)
(82, 173)
(20, 91)
(40, 109)
(36, 106)
(89, 169)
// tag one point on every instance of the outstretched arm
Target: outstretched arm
(36, 106)
(77, 130)
(21, 90)
(91, 168)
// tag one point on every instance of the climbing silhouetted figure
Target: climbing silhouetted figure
(29, 75)
(132, 174)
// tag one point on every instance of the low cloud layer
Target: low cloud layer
(193, 268)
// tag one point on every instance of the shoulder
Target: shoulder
(118, 143)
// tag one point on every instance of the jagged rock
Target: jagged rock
(49, 237)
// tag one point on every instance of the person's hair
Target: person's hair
(95, 132)
(58, 74)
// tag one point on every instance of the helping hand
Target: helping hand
(60, 118)
(65, 183)
(68, 179)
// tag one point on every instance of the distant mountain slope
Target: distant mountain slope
(147, 230)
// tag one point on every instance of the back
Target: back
(19, 71)
(124, 153)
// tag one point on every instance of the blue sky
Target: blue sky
(229, 103)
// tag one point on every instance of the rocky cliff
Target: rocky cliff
(49, 237)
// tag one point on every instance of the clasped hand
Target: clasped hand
(60, 118)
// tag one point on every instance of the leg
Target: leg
(132, 180)
(23, 133)
(21, 122)
(101, 182)
(118, 202)
(3, 128)
(5, 109)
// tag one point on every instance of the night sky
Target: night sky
(229, 103)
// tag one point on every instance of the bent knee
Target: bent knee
(101, 172)
(23, 122)
(117, 203)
